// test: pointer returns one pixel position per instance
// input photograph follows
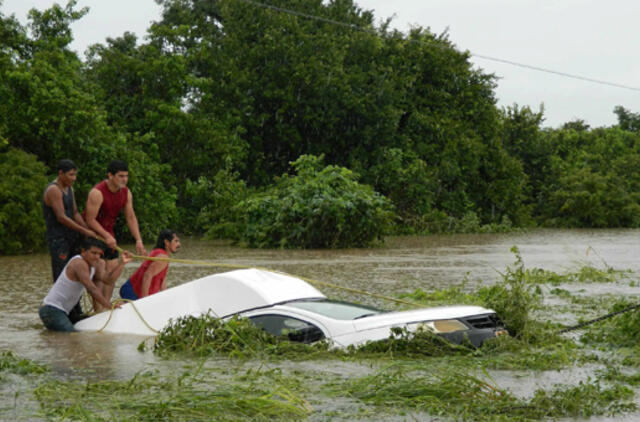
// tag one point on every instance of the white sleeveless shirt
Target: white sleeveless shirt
(65, 293)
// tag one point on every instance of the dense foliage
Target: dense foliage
(317, 208)
(23, 179)
(222, 95)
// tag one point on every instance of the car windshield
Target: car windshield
(335, 309)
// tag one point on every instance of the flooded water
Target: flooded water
(401, 265)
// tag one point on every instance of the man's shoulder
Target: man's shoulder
(77, 264)
(95, 192)
(51, 191)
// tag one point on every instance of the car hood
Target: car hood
(418, 315)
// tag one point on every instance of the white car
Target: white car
(282, 304)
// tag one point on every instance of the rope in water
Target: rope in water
(593, 321)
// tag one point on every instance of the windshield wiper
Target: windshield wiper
(366, 315)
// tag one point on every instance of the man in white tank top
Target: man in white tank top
(84, 271)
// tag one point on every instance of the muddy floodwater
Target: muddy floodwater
(402, 264)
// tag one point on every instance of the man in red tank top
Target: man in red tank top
(104, 203)
(150, 277)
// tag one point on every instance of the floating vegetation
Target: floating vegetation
(9, 362)
(191, 396)
(468, 397)
(586, 274)
(622, 330)
(617, 374)
(405, 343)
(207, 335)
(510, 353)
(454, 294)
(238, 337)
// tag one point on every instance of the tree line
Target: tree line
(278, 130)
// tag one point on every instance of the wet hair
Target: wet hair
(116, 166)
(66, 165)
(88, 242)
(166, 234)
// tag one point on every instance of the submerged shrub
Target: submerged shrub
(514, 299)
(468, 397)
(622, 330)
(208, 335)
(421, 342)
(9, 362)
(238, 337)
(317, 208)
(187, 396)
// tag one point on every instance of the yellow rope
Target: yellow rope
(309, 280)
(234, 266)
(113, 307)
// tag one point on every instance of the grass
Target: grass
(620, 331)
(465, 396)
(190, 396)
(238, 337)
(10, 363)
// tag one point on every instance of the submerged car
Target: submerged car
(285, 305)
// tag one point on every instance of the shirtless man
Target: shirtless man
(104, 203)
(85, 271)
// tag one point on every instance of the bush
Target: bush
(515, 299)
(209, 204)
(324, 208)
(21, 186)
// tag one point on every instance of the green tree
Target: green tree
(627, 120)
(48, 108)
(288, 85)
(21, 186)
(594, 179)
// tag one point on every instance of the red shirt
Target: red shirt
(112, 204)
(156, 281)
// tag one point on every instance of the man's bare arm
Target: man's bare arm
(77, 217)
(53, 198)
(79, 271)
(115, 272)
(132, 223)
(94, 201)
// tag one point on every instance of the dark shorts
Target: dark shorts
(110, 254)
(127, 292)
(55, 319)
(61, 251)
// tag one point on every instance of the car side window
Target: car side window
(285, 326)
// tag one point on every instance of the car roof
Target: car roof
(224, 294)
(236, 291)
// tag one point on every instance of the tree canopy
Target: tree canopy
(211, 109)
